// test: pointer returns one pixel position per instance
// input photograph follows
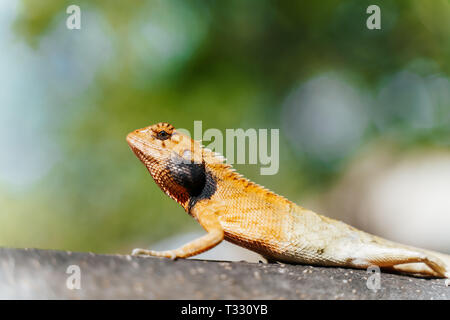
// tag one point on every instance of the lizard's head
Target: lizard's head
(173, 159)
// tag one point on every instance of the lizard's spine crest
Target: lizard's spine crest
(218, 161)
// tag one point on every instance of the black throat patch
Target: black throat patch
(194, 178)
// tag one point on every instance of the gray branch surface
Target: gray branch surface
(42, 274)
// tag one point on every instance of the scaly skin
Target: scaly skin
(231, 207)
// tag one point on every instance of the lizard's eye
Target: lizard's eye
(162, 135)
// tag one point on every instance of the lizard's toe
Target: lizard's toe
(173, 256)
(137, 252)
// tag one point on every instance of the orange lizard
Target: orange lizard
(231, 207)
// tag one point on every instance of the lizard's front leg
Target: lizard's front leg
(208, 219)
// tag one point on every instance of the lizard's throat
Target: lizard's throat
(167, 175)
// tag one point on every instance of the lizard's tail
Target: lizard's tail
(421, 268)
(445, 258)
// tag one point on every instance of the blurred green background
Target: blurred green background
(334, 88)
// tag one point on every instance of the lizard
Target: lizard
(233, 208)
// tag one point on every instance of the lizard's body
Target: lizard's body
(233, 208)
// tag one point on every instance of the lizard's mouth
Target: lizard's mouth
(137, 144)
(145, 153)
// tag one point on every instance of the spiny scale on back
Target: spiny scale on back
(231, 207)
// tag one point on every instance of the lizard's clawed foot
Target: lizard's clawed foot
(139, 252)
(145, 253)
